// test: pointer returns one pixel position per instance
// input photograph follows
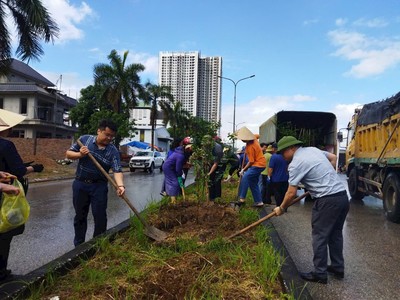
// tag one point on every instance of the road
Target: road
(49, 232)
(371, 246)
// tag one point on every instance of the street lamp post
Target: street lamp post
(235, 83)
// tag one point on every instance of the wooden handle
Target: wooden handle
(266, 217)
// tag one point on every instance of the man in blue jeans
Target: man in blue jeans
(316, 170)
(90, 186)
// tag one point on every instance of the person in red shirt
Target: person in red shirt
(252, 170)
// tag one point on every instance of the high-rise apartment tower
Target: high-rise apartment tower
(194, 82)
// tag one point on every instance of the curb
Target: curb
(290, 279)
(20, 287)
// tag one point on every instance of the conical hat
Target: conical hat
(245, 134)
(9, 119)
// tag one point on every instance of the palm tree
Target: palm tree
(33, 23)
(153, 94)
(174, 115)
(119, 84)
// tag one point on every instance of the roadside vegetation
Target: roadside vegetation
(196, 261)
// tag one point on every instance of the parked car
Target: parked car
(146, 160)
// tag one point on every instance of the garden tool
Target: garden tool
(266, 217)
(183, 193)
(151, 231)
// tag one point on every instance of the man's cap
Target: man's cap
(245, 134)
(269, 148)
(288, 141)
(187, 140)
(9, 119)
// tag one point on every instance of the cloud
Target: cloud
(310, 22)
(68, 17)
(372, 23)
(344, 113)
(70, 83)
(340, 22)
(252, 114)
(149, 61)
(373, 56)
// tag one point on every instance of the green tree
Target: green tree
(175, 116)
(153, 94)
(87, 105)
(125, 126)
(90, 110)
(197, 128)
(33, 23)
(119, 84)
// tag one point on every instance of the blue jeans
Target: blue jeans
(250, 180)
(84, 195)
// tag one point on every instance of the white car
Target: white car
(146, 160)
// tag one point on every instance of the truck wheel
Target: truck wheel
(353, 185)
(132, 169)
(391, 197)
(151, 169)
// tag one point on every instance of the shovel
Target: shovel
(151, 231)
(265, 218)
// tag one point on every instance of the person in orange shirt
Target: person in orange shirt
(252, 170)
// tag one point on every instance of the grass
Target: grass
(133, 267)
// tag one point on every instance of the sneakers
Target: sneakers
(337, 274)
(311, 276)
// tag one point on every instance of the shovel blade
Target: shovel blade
(155, 233)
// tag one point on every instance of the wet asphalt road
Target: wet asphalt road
(371, 250)
(49, 232)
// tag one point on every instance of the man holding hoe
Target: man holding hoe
(315, 169)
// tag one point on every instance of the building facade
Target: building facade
(194, 82)
(141, 116)
(26, 92)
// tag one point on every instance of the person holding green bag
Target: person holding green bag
(10, 163)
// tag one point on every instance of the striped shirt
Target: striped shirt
(108, 157)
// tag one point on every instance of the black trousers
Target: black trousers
(5, 242)
(328, 216)
(279, 189)
(265, 190)
(214, 185)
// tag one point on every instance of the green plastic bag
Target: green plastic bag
(14, 209)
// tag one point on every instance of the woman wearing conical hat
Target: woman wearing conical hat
(252, 170)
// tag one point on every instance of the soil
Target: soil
(205, 221)
(52, 169)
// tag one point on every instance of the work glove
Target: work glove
(37, 168)
(241, 173)
(180, 181)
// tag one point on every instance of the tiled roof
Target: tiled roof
(25, 70)
(21, 87)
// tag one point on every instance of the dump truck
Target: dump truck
(373, 154)
(317, 129)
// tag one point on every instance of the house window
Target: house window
(23, 106)
(142, 135)
(1, 103)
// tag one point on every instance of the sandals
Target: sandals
(258, 205)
